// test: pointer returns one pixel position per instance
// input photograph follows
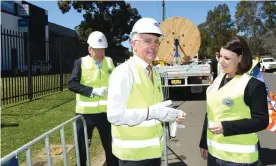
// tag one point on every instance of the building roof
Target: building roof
(61, 30)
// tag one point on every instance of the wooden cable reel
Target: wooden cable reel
(188, 37)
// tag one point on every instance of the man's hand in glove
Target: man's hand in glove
(99, 91)
(165, 114)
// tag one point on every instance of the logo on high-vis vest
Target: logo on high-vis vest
(228, 102)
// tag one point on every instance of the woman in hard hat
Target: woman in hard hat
(135, 107)
(236, 110)
(89, 80)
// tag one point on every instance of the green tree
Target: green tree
(268, 15)
(205, 40)
(216, 30)
(250, 25)
(247, 19)
(114, 18)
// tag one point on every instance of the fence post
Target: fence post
(29, 64)
(61, 65)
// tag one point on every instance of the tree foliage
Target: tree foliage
(268, 14)
(217, 29)
(256, 22)
(114, 18)
(269, 17)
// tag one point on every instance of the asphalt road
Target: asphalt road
(186, 145)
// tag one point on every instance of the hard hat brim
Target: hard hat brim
(98, 46)
(155, 34)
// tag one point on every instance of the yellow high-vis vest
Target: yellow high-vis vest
(94, 77)
(143, 141)
(227, 104)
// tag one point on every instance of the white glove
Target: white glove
(99, 91)
(163, 113)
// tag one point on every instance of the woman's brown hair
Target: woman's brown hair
(240, 47)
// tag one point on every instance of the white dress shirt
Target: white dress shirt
(119, 88)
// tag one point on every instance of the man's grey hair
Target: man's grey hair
(135, 36)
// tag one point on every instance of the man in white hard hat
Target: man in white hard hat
(135, 107)
(89, 80)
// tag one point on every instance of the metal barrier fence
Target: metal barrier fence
(166, 125)
(166, 134)
(45, 136)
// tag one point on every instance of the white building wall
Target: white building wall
(9, 21)
(10, 27)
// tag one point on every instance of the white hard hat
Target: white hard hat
(97, 40)
(146, 25)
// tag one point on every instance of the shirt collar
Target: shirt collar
(140, 61)
(98, 64)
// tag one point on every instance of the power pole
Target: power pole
(163, 10)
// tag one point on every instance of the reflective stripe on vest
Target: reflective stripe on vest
(224, 104)
(143, 141)
(92, 104)
(232, 148)
(94, 77)
(138, 143)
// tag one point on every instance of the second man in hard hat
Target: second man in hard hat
(134, 101)
(89, 80)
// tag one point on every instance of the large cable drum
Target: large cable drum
(187, 34)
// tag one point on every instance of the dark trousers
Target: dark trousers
(104, 127)
(213, 161)
(148, 162)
